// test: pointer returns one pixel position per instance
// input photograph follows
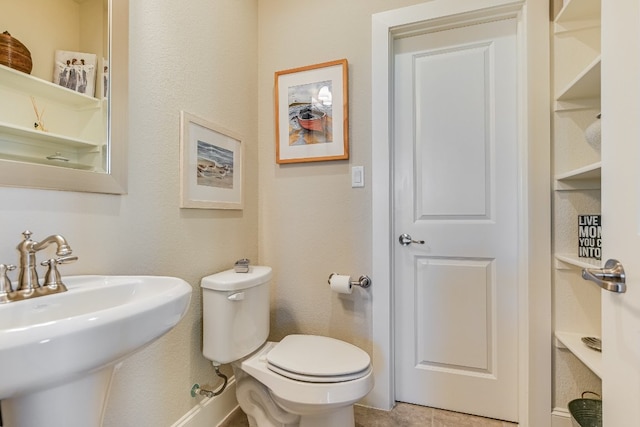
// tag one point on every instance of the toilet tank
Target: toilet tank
(235, 312)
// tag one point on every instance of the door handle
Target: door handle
(406, 240)
(610, 278)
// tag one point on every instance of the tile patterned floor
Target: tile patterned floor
(403, 415)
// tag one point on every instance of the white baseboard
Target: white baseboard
(560, 417)
(211, 411)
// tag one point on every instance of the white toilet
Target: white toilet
(303, 380)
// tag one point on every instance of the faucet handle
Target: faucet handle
(60, 260)
(66, 259)
(52, 276)
(5, 282)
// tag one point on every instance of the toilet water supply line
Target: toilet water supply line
(196, 389)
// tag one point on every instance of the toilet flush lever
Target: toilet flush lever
(238, 296)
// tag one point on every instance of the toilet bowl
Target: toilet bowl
(303, 380)
(325, 400)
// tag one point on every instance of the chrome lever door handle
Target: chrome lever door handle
(406, 240)
(610, 278)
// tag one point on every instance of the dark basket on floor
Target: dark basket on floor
(586, 412)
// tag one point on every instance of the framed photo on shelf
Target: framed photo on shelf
(210, 165)
(75, 71)
(104, 73)
(312, 113)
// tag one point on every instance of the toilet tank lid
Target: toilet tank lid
(229, 280)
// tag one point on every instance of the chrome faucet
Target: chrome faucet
(28, 284)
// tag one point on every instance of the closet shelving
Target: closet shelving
(573, 342)
(582, 178)
(577, 61)
(585, 85)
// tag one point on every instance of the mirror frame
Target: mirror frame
(29, 175)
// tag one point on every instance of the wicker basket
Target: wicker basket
(14, 54)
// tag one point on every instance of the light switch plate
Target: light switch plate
(357, 176)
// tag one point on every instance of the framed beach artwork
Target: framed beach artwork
(312, 113)
(210, 165)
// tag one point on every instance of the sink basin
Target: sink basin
(59, 350)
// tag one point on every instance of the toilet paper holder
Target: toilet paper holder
(364, 281)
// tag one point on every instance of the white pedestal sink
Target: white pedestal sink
(58, 352)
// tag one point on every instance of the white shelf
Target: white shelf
(584, 178)
(41, 138)
(579, 10)
(573, 260)
(573, 342)
(41, 88)
(80, 139)
(45, 161)
(585, 85)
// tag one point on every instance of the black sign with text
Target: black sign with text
(590, 236)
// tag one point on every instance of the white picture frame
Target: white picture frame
(76, 71)
(211, 165)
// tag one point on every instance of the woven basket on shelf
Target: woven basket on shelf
(14, 54)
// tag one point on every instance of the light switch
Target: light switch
(357, 176)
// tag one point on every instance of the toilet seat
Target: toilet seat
(304, 392)
(317, 359)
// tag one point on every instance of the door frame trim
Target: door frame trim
(534, 306)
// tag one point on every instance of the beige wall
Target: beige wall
(312, 223)
(199, 56)
(217, 59)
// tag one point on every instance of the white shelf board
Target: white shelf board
(39, 88)
(585, 85)
(44, 137)
(591, 358)
(574, 260)
(583, 178)
(579, 10)
(45, 161)
(578, 104)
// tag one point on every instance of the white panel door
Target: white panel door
(455, 187)
(620, 209)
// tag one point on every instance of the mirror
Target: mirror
(53, 135)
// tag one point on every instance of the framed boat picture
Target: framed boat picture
(312, 113)
(210, 165)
